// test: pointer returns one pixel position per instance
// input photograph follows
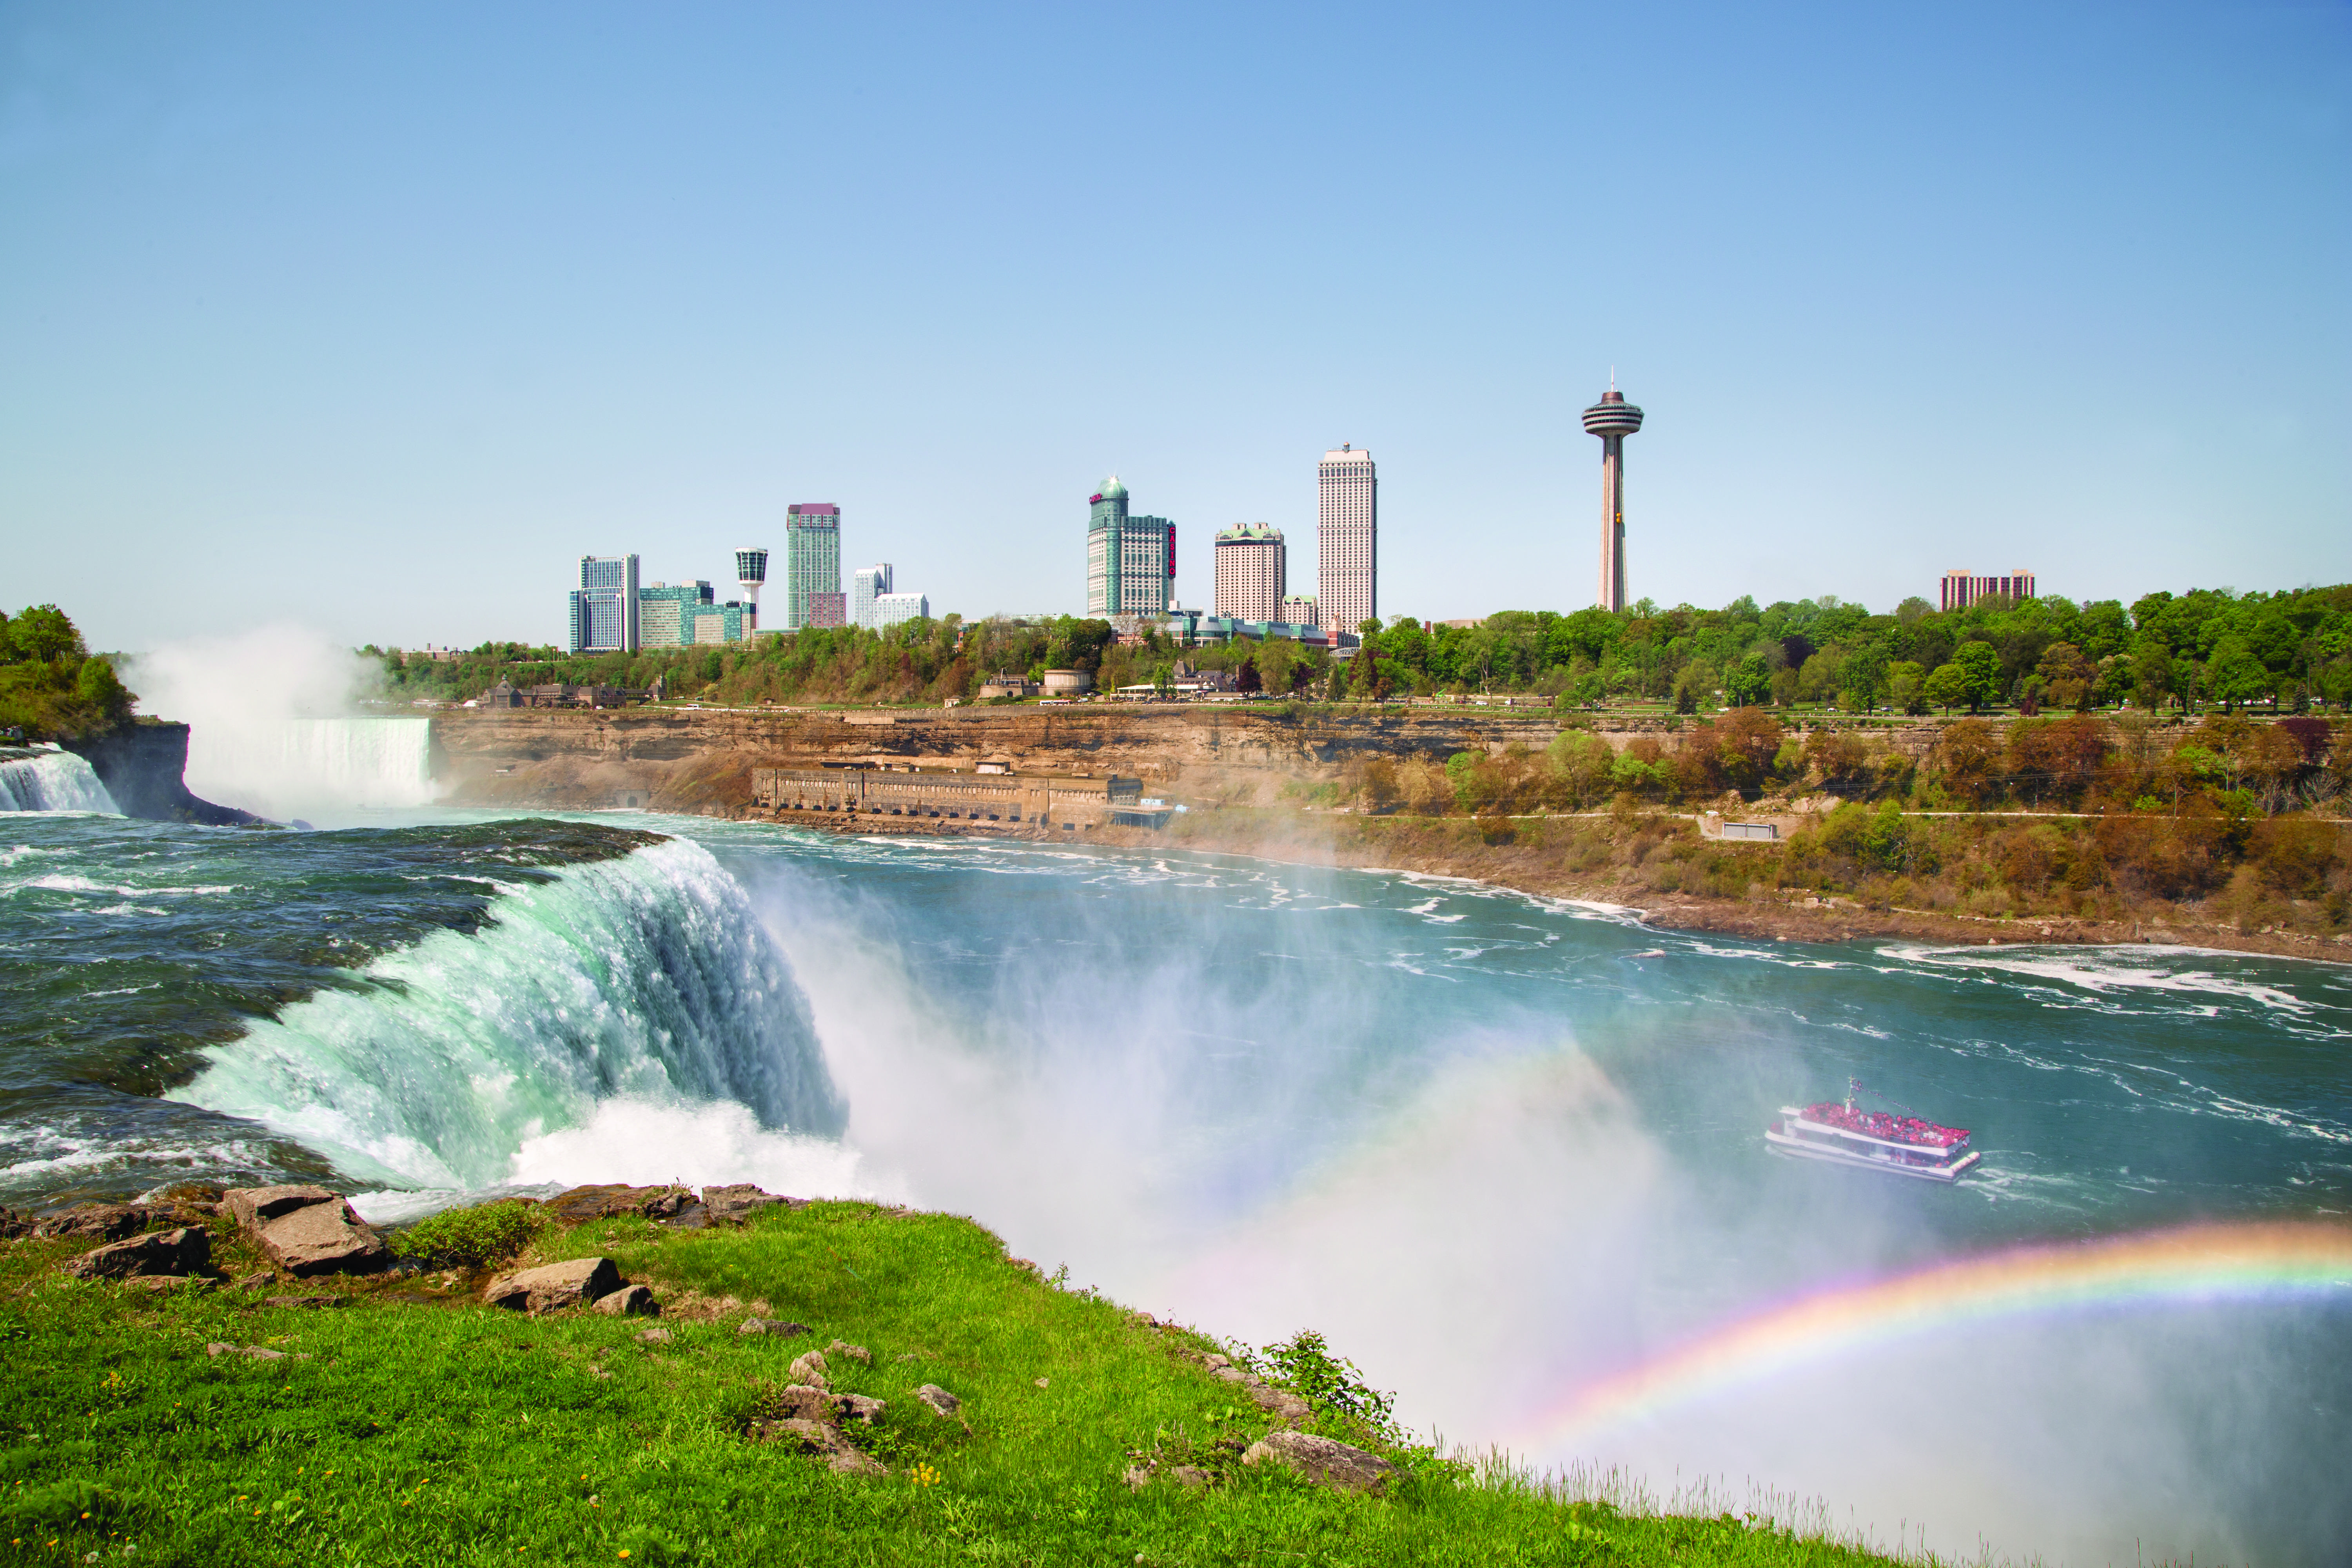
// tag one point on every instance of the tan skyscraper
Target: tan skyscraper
(1347, 539)
(1250, 572)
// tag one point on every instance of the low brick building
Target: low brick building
(1052, 803)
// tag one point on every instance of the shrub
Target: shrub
(488, 1233)
(2295, 855)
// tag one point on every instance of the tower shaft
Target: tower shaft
(1612, 523)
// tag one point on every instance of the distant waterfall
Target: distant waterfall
(285, 767)
(54, 781)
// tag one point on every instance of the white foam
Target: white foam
(646, 1141)
(2095, 972)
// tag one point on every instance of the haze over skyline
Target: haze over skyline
(378, 320)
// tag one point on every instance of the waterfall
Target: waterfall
(52, 781)
(285, 767)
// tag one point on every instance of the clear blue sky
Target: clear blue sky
(377, 317)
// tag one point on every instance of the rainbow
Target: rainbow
(2249, 1262)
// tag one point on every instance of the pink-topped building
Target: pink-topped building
(1960, 590)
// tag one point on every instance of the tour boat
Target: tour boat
(1874, 1140)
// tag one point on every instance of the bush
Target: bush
(2295, 854)
(472, 1238)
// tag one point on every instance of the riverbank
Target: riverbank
(1363, 788)
(977, 1407)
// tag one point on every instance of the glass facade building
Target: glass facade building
(666, 612)
(603, 607)
(868, 583)
(811, 559)
(1130, 560)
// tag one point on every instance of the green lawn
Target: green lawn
(447, 1432)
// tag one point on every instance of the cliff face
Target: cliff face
(690, 760)
(144, 766)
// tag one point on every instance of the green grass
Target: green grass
(445, 1432)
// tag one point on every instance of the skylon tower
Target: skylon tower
(1612, 419)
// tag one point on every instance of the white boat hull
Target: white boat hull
(1805, 1149)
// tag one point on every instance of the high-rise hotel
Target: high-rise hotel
(1347, 539)
(1250, 572)
(1130, 561)
(812, 594)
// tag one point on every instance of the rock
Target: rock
(1279, 1402)
(182, 1252)
(255, 1206)
(581, 1204)
(305, 1302)
(816, 1437)
(809, 1367)
(629, 1301)
(738, 1201)
(1189, 1475)
(773, 1326)
(1322, 1460)
(692, 1217)
(566, 1284)
(162, 1284)
(258, 1352)
(941, 1401)
(859, 1407)
(800, 1403)
(1044, 1382)
(854, 1352)
(105, 1222)
(651, 1336)
(255, 1280)
(323, 1238)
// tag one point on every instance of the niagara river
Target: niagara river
(1504, 1151)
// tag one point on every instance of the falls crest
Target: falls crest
(646, 979)
(52, 781)
(286, 767)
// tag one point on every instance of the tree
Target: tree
(2233, 675)
(1749, 682)
(1862, 676)
(1980, 662)
(40, 632)
(1947, 687)
(2068, 677)
(1906, 686)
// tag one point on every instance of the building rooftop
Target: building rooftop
(1250, 531)
(1111, 487)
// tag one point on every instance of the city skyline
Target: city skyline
(287, 302)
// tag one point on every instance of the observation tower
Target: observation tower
(1612, 419)
(752, 567)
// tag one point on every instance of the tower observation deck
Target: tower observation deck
(1612, 419)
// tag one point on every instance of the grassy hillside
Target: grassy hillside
(426, 1428)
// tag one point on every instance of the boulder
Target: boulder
(184, 1251)
(1279, 1403)
(323, 1238)
(857, 1407)
(800, 1403)
(941, 1402)
(253, 1207)
(629, 1301)
(858, 1353)
(102, 1222)
(737, 1201)
(651, 1336)
(566, 1284)
(1322, 1460)
(809, 1367)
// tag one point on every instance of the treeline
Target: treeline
(914, 661)
(2207, 647)
(2163, 810)
(51, 687)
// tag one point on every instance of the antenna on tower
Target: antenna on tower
(1613, 378)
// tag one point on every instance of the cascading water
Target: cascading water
(52, 781)
(641, 983)
(313, 767)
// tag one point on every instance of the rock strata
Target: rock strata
(568, 1284)
(1322, 1460)
(176, 1252)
